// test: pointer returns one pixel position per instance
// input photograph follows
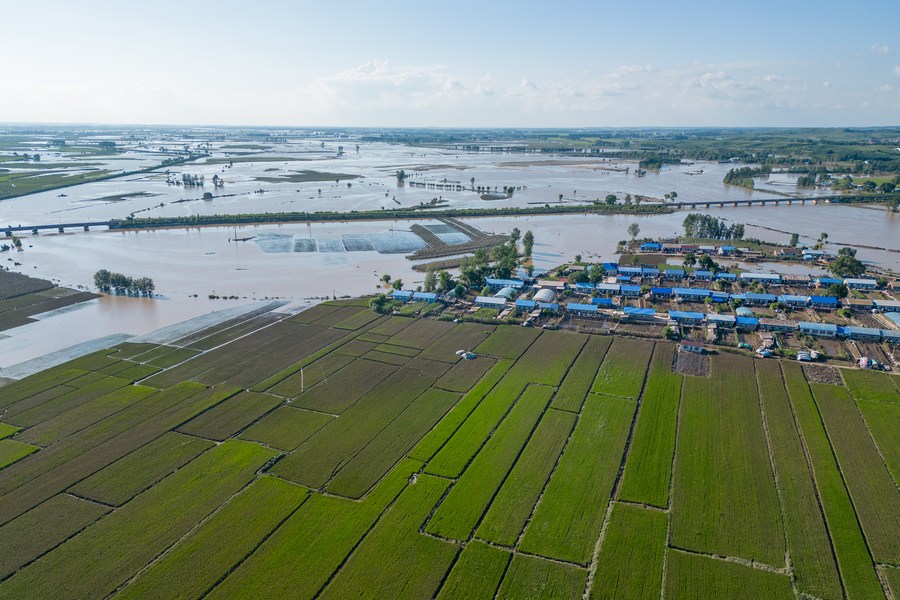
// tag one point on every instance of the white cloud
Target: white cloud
(879, 49)
(897, 70)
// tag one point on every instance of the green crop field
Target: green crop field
(339, 453)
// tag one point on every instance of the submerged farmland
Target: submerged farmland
(339, 453)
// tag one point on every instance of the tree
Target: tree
(690, 259)
(444, 281)
(795, 237)
(207, 196)
(595, 275)
(846, 264)
(515, 235)
(377, 303)
(887, 187)
(611, 199)
(577, 258)
(528, 243)
(386, 278)
(397, 284)
(505, 260)
(633, 230)
(430, 280)
(707, 262)
(459, 290)
(838, 290)
(401, 176)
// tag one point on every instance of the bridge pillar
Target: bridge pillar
(707, 205)
(8, 233)
(735, 205)
(762, 202)
(60, 229)
(34, 231)
(86, 228)
(721, 205)
(776, 203)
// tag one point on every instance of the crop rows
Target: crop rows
(634, 536)
(622, 372)
(696, 576)
(581, 375)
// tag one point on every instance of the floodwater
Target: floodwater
(305, 263)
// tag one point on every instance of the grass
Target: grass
(815, 570)
(622, 372)
(43, 528)
(477, 572)
(132, 474)
(872, 386)
(394, 561)
(7, 430)
(723, 499)
(873, 491)
(208, 553)
(349, 384)
(228, 417)
(13, 451)
(648, 470)
(581, 375)
(392, 443)
(634, 536)
(513, 504)
(854, 562)
(286, 428)
(536, 578)
(696, 576)
(443, 431)
(462, 509)
(883, 420)
(305, 551)
(465, 373)
(106, 554)
(567, 520)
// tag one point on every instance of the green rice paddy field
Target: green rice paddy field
(341, 454)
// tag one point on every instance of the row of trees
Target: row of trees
(743, 176)
(698, 225)
(107, 281)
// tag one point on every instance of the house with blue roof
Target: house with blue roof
(608, 289)
(605, 302)
(661, 292)
(794, 301)
(827, 330)
(428, 297)
(630, 290)
(758, 299)
(686, 317)
(856, 283)
(862, 334)
(726, 276)
(651, 247)
(525, 305)
(403, 295)
(691, 294)
(721, 320)
(826, 281)
(824, 302)
(746, 323)
(639, 313)
(496, 284)
(577, 308)
(672, 274)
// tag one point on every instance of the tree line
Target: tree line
(107, 281)
(698, 225)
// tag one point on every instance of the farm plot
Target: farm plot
(337, 443)
(871, 386)
(634, 536)
(854, 562)
(37, 383)
(84, 415)
(815, 570)
(648, 470)
(873, 491)
(132, 474)
(398, 360)
(515, 501)
(51, 408)
(724, 500)
(420, 334)
(390, 327)
(209, 552)
(107, 553)
(464, 374)
(696, 576)
(578, 380)
(508, 342)
(443, 431)
(286, 428)
(477, 572)
(464, 506)
(230, 416)
(464, 336)
(398, 350)
(169, 358)
(344, 388)
(567, 519)
(892, 576)
(622, 372)
(229, 332)
(535, 578)
(394, 560)
(311, 374)
(883, 419)
(304, 552)
(312, 314)
(357, 320)
(43, 528)
(13, 450)
(356, 347)
(7, 430)
(392, 443)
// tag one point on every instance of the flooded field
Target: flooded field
(198, 270)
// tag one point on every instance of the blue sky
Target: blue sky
(452, 64)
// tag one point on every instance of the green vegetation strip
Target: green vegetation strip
(464, 374)
(622, 372)
(301, 555)
(568, 517)
(311, 374)
(421, 334)
(230, 416)
(106, 554)
(465, 336)
(871, 386)
(883, 420)
(477, 573)
(464, 506)
(286, 428)
(815, 570)
(578, 381)
(13, 451)
(696, 576)
(314, 462)
(892, 576)
(337, 393)
(392, 443)
(395, 560)
(854, 561)
(873, 491)
(515, 501)
(508, 342)
(724, 499)
(43, 528)
(209, 552)
(132, 474)
(538, 579)
(630, 564)
(51, 408)
(648, 470)
(7, 430)
(443, 431)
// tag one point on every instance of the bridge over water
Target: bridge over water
(9, 230)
